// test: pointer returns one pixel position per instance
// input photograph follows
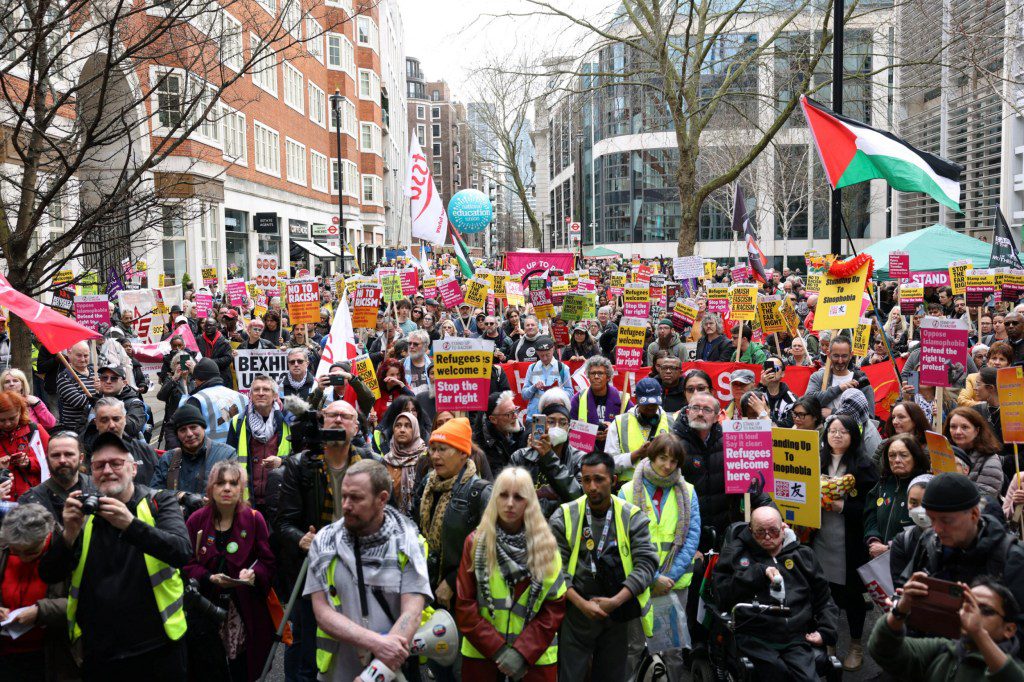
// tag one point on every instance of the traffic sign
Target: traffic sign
(332, 230)
(575, 228)
(335, 219)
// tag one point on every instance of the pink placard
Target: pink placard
(630, 358)
(204, 304)
(451, 293)
(235, 289)
(410, 281)
(462, 394)
(92, 311)
(634, 309)
(748, 455)
(582, 435)
(943, 344)
(899, 265)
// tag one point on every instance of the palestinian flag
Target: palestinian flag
(704, 609)
(462, 254)
(853, 153)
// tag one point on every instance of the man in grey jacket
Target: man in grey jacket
(185, 469)
(667, 339)
(603, 595)
(842, 376)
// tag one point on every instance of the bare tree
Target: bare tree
(790, 196)
(112, 113)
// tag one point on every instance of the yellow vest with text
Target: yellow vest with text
(573, 513)
(663, 530)
(631, 436)
(510, 616)
(165, 580)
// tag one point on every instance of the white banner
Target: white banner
(249, 363)
(140, 304)
(341, 341)
(429, 219)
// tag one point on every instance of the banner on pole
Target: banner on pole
(462, 373)
(797, 469)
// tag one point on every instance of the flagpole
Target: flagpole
(838, 12)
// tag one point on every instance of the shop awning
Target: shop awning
(314, 249)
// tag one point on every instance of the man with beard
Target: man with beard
(417, 365)
(630, 431)
(126, 597)
(493, 332)
(185, 469)
(843, 376)
(311, 498)
(499, 432)
(373, 544)
(111, 416)
(609, 335)
(64, 458)
(670, 372)
(213, 345)
(667, 339)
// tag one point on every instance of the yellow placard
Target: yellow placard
(572, 280)
(797, 489)
(618, 280)
(636, 292)
(514, 293)
(718, 291)
(631, 336)
(210, 276)
(957, 277)
(862, 338)
(363, 367)
(772, 320)
(686, 311)
(561, 288)
(840, 300)
(392, 288)
(500, 277)
(339, 287)
(792, 319)
(743, 301)
(912, 291)
(710, 269)
(476, 292)
(940, 452)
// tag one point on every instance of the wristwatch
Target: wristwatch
(896, 613)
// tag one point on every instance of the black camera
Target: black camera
(190, 502)
(196, 605)
(90, 504)
(307, 432)
(336, 380)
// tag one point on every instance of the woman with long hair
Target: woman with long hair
(23, 444)
(903, 460)
(511, 598)
(234, 566)
(968, 430)
(14, 379)
(839, 544)
(391, 379)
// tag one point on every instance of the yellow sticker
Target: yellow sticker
(879, 501)
(590, 544)
(789, 564)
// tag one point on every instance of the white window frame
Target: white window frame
(421, 134)
(315, 39)
(351, 180)
(160, 78)
(295, 161)
(435, 113)
(421, 112)
(269, 5)
(375, 138)
(318, 105)
(291, 18)
(335, 178)
(234, 59)
(232, 125)
(372, 31)
(294, 91)
(258, 69)
(373, 83)
(274, 150)
(377, 185)
(318, 171)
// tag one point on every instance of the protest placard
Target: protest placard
(391, 288)
(940, 453)
(235, 289)
(1010, 385)
(410, 281)
(462, 373)
(451, 293)
(63, 301)
(303, 301)
(791, 317)
(685, 313)
(911, 296)
(365, 306)
(476, 292)
(943, 346)
(978, 284)
(642, 273)
(204, 304)
(747, 445)
(740, 274)
(899, 265)
(687, 267)
(877, 578)
(718, 299)
(210, 277)
(958, 275)
(636, 300)
(797, 470)
(501, 277)
(862, 338)
(814, 280)
(618, 284)
(514, 292)
(540, 297)
(430, 287)
(710, 269)
(1012, 285)
(743, 301)
(559, 288)
(582, 435)
(839, 303)
(92, 310)
(629, 351)
(266, 271)
(362, 366)
(250, 362)
(768, 310)
(578, 307)
(141, 305)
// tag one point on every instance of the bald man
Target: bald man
(74, 403)
(780, 646)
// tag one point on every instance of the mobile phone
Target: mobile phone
(540, 426)
(183, 360)
(337, 380)
(940, 613)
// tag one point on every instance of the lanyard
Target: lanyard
(604, 537)
(364, 610)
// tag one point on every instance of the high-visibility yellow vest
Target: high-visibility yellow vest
(510, 616)
(663, 530)
(584, 411)
(284, 448)
(631, 436)
(573, 513)
(165, 580)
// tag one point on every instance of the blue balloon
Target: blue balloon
(470, 211)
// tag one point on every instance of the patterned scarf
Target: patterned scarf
(674, 483)
(433, 523)
(296, 385)
(513, 562)
(404, 458)
(262, 429)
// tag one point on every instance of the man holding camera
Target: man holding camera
(367, 579)
(64, 458)
(122, 551)
(184, 469)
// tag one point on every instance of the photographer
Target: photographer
(121, 551)
(175, 381)
(185, 469)
(64, 459)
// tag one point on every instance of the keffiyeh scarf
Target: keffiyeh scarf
(513, 563)
(431, 521)
(262, 429)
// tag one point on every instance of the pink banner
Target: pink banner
(92, 311)
(939, 278)
(943, 344)
(462, 394)
(204, 304)
(629, 358)
(526, 265)
(451, 293)
(748, 454)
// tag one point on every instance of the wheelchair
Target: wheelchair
(719, 659)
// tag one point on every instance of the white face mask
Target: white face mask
(558, 435)
(920, 517)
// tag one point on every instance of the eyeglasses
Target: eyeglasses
(114, 464)
(762, 533)
(341, 416)
(697, 409)
(505, 414)
(833, 432)
(800, 415)
(296, 362)
(109, 378)
(700, 388)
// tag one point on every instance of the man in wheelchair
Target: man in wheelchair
(764, 564)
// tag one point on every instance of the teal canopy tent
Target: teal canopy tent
(930, 249)
(600, 252)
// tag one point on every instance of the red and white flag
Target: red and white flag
(53, 330)
(341, 341)
(429, 219)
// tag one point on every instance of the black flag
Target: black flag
(741, 223)
(1004, 251)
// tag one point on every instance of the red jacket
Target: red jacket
(535, 638)
(31, 440)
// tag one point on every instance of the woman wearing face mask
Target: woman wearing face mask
(886, 512)
(553, 463)
(904, 544)
(670, 503)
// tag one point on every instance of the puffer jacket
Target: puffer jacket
(987, 472)
(557, 479)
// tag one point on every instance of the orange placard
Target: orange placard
(1010, 384)
(941, 453)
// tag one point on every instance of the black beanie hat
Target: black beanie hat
(950, 492)
(205, 370)
(188, 414)
(556, 408)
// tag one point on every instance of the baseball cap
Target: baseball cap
(116, 369)
(741, 376)
(110, 438)
(648, 392)
(545, 343)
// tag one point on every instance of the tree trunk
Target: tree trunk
(689, 223)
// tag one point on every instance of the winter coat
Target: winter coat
(219, 350)
(557, 479)
(987, 472)
(674, 346)
(885, 512)
(498, 448)
(865, 474)
(720, 349)
(195, 469)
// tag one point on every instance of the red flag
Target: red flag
(53, 330)
(886, 383)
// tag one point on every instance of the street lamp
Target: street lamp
(336, 107)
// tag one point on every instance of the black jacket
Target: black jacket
(498, 448)
(220, 353)
(52, 496)
(470, 496)
(557, 479)
(134, 419)
(705, 471)
(261, 344)
(673, 399)
(739, 577)
(866, 475)
(721, 350)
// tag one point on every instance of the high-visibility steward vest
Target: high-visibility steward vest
(663, 530)
(284, 447)
(573, 513)
(327, 646)
(216, 403)
(510, 616)
(631, 436)
(165, 580)
(585, 409)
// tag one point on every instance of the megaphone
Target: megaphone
(437, 639)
